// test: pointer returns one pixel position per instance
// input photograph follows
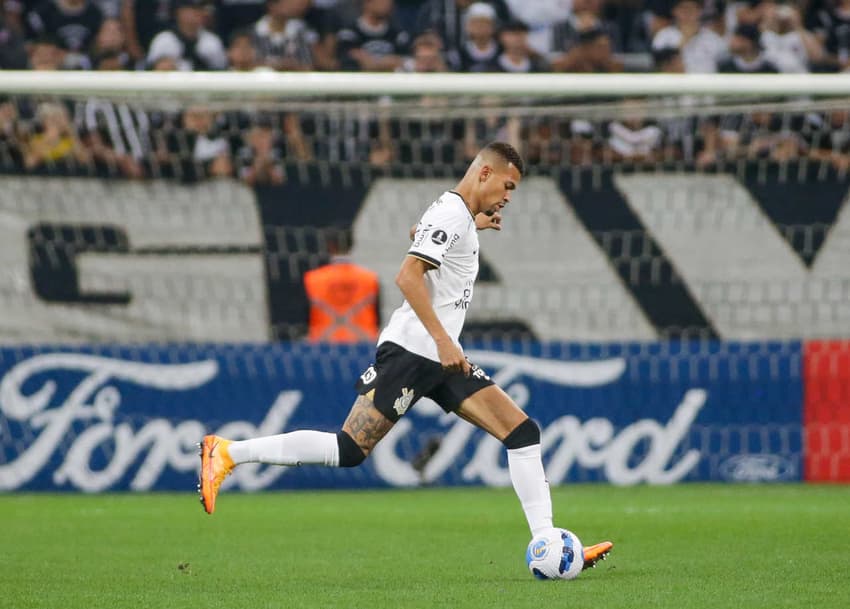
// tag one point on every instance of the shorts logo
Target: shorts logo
(403, 403)
(370, 375)
(479, 373)
(439, 237)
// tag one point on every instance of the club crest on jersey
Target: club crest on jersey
(403, 403)
(369, 375)
(439, 237)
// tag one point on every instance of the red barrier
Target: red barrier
(826, 414)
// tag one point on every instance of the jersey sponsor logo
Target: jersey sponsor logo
(463, 301)
(439, 237)
(454, 240)
(369, 375)
(403, 403)
(421, 232)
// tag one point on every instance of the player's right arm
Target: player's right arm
(438, 230)
(411, 282)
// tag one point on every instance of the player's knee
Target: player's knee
(525, 434)
(350, 455)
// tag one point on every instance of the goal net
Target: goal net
(641, 216)
(180, 210)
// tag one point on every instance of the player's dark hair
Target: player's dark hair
(509, 153)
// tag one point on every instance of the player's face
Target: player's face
(499, 186)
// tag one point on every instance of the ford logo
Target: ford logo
(758, 468)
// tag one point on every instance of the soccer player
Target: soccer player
(419, 355)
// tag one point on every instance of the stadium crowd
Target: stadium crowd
(109, 137)
(426, 35)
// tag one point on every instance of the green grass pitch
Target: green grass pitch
(712, 546)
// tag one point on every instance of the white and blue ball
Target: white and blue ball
(555, 554)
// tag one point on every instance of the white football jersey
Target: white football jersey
(446, 238)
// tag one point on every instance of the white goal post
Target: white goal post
(230, 85)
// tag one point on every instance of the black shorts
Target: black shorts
(399, 378)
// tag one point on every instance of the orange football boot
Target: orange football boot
(216, 465)
(593, 554)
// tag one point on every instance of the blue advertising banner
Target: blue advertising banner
(128, 417)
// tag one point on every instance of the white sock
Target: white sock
(293, 448)
(532, 488)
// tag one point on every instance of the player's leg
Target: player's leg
(386, 389)
(363, 428)
(495, 412)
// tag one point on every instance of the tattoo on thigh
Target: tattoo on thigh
(365, 424)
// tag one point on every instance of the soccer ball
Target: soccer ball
(555, 554)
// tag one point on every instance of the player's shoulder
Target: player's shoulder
(453, 198)
(449, 205)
